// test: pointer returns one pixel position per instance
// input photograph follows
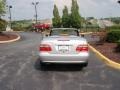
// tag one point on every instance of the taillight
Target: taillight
(45, 48)
(82, 48)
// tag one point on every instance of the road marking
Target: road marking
(22, 67)
(2, 65)
(96, 85)
(3, 76)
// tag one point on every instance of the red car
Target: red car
(42, 26)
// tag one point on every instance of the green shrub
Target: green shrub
(18, 28)
(118, 47)
(115, 27)
(29, 28)
(2, 25)
(113, 36)
(22, 28)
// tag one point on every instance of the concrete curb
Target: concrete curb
(105, 59)
(9, 41)
(87, 33)
(14, 31)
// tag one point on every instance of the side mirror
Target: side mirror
(46, 35)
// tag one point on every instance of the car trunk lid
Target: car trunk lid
(65, 44)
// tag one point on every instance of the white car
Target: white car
(64, 45)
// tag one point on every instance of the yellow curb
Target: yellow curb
(9, 41)
(105, 59)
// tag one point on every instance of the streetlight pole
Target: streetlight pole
(86, 24)
(119, 1)
(36, 15)
(10, 17)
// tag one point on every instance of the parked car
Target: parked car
(42, 26)
(64, 45)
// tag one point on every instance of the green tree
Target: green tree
(2, 25)
(75, 16)
(2, 7)
(65, 18)
(2, 12)
(56, 19)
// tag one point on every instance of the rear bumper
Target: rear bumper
(55, 58)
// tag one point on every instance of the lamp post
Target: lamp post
(10, 17)
(36, 15)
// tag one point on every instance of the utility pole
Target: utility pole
(36, 15)
(10, 17)
(86, 24)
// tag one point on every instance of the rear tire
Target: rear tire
(85, 64)
(43, 65)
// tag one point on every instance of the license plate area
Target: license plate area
(63, 48)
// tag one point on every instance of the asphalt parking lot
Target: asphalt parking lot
(20, 70)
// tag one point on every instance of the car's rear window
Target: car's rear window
(66, 32)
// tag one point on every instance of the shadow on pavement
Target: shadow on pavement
(57, 67)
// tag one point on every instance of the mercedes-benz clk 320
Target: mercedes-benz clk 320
(64, 45)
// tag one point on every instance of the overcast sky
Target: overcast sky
(23, 9)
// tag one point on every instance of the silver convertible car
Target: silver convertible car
(64, 45)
